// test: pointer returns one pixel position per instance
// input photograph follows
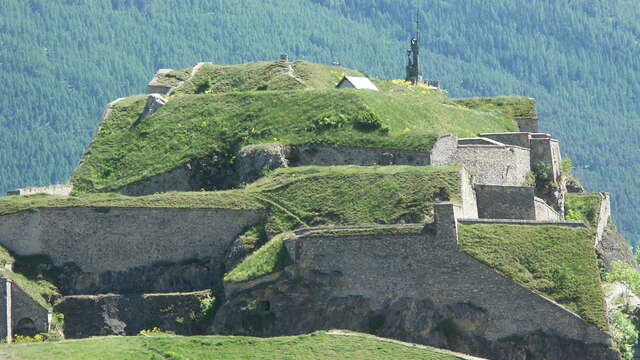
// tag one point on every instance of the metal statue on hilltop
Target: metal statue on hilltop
(414, 75)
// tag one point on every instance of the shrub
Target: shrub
(367, 120)
(328, 121)
(624, 333)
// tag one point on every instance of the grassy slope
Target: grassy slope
(585, 207)
(221, 120)
(557, 262)
(319, 345)
(349, 195)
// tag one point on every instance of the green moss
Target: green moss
(557, 262)
(232, 114)
(270, 258)
(583, 207)
(5, 257)
(319, 345)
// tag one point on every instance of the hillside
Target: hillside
(578, 59)
(228, 112)
(316, 346)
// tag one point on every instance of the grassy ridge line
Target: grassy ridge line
(317, 346)
(556, 262)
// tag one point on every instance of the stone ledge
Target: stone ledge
(523, 222)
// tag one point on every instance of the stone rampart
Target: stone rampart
(106, 315)
(62, 190)
(494, 165)
(319, 155)
(123, 250)
(546, 150)
(412, 287)
(505, 202)
(27, 316)
(510, 138)
(528, 124)
(575, 224)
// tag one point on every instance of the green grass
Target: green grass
(268, 259)
(5, 257)
(41, 291)
(557, 262)
(173, 78)
(584, 207)
(263, 76)
(233, 115)
(317, 346)
(233, 199)
(514, 106)
(354, 195)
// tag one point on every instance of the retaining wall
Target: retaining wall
(124, 250)
(494, 165)
(546, 150)
(505, 202)
(315, 155)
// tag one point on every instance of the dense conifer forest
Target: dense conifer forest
(62, 61)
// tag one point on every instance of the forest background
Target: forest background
(61, 61)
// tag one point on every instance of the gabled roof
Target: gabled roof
(359, 83)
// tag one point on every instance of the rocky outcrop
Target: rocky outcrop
(129, 314)
(252, 161)
(154, 102)
(613, 248)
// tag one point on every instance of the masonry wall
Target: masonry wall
(306, 155)
(494, 165)
(513, 138)
(25, 308)
(546, 150)
(528, 124)
(505, 202)
(128, 250)
(545, 212)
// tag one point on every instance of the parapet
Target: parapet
(156, 87)
(61, 190)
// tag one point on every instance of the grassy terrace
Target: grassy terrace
(515, 107)
(585, 207)
(317, 346)
(234, 199)
(557, 262)
(221, 110)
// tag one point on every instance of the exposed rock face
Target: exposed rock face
(301, 304)
(613, 248)
(253, 160)
(154, 102)
(129, 314)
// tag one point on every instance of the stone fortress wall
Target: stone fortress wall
(61, 190)
(121, 250)
(449, 299)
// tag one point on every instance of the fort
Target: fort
(342, 210)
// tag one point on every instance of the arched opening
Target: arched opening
(25, 327)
